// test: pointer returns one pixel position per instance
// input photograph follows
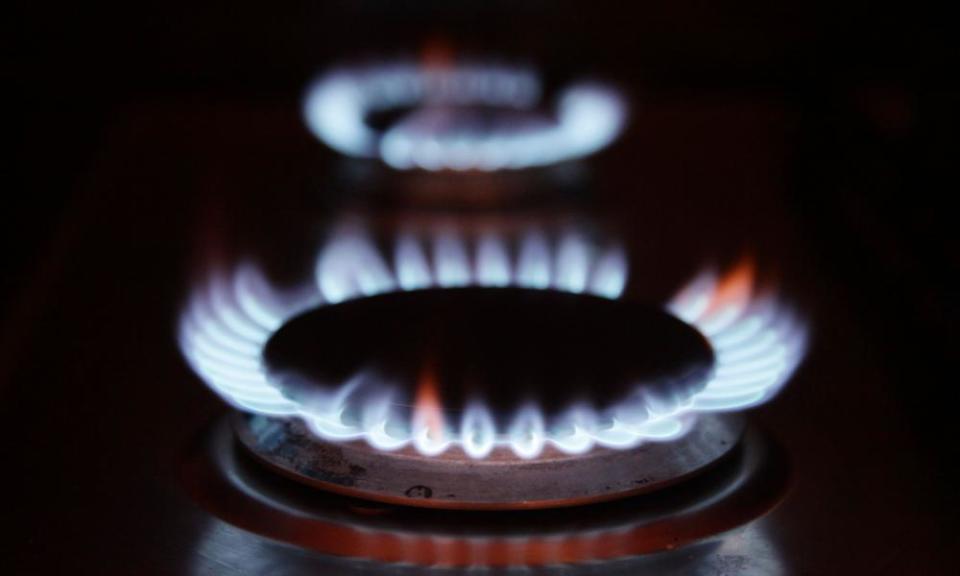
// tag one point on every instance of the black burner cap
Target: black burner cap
(504, 345)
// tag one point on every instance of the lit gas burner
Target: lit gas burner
(459, 116)
(487, 371)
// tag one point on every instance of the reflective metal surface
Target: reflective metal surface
(746, 552)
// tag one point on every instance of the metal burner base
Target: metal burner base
(500, 482)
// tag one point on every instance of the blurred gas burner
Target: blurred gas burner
(430, 381)
(749, 480)
(459, 116)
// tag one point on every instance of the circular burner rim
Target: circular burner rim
(229, 484)
(357, 470)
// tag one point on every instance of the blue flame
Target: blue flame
(441, 133)
(758, 343)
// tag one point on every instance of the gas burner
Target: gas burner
(475, 359)
(459, 116)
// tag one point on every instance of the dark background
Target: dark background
(859, 101)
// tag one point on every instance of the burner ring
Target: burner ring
(499, 482)
(494, 350)
(747, 483)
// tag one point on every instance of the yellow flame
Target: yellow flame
(437, 54)
(427, 407)
(735, 287)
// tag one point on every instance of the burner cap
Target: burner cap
(504, 345)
